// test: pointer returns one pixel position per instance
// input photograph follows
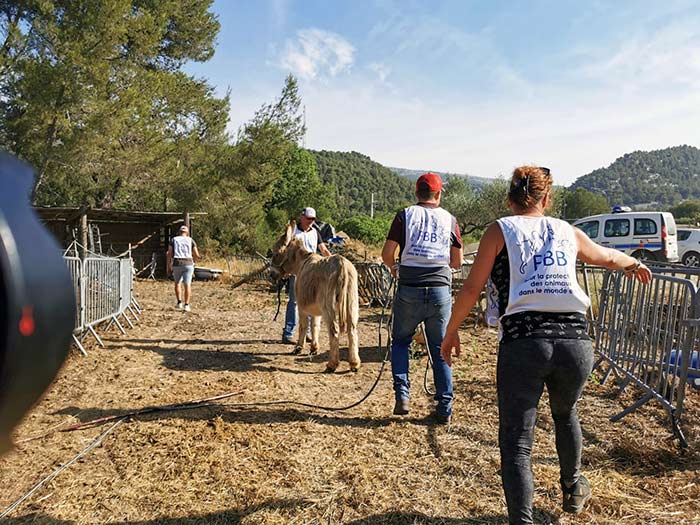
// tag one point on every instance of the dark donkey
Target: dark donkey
(325, 287)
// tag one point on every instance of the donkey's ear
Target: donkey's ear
(290, 231)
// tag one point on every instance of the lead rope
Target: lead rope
(429, 362)
(280, 285)
(206, 402)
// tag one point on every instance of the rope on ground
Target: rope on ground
(208, 401)
(148, 410)
(56, 472)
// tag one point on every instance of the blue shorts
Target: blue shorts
(183, 274)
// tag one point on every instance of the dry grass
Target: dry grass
(291, 465)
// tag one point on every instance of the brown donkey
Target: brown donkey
(325, 287)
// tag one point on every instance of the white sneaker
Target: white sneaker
(179, 305)
(187, 308)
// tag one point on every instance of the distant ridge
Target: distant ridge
(414, 174)
(647, 179)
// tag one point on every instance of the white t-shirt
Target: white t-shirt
(308, 238)
(182, 247)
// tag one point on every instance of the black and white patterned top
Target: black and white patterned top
(534, 325)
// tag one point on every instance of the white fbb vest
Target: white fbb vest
(428, 237)
(542, 255)
(309, 239)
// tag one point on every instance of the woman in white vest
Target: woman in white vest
(531, 260)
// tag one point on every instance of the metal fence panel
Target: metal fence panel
(75, 269)
(126, 267)
(647, 333)
(103, 288)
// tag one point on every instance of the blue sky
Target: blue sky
(474, 87)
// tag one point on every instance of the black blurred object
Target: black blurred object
(37, 302)
(326, 230)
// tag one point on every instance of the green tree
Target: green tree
(582, 203)
(265, 178)
(300, 186)
(475, 209)
(366, 229)
(687, 211)
(92, 94)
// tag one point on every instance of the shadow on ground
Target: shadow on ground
(218, 518)
(232, 517)
(180, 355)
(253, 415)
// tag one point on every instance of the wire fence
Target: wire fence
(103, 288)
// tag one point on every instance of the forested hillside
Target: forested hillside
(356, 177)
(661, 177)
(413, 175)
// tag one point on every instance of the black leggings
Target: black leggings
(524, 368)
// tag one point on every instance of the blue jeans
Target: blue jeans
(291, 314)
(412, 306)
(524, 368)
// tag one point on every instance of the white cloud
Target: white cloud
(317, 53)
(381, 70)
(669, 56)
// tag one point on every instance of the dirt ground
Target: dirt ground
(296, 465)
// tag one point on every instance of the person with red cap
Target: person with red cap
(429, 244)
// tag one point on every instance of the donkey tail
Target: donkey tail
(347, 296)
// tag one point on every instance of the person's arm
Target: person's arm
(169, 260)
(389, 255)
(592, 253)
(491, 244)
(324, 249)
(457, 248)
(394, 240)
(195, 252)
(456, 257)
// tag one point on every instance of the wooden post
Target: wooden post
(84, 233)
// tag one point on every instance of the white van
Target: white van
(647, 235)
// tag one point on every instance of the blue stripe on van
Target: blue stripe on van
(648, 246)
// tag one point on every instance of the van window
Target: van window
(683, 234)
(644, 227)
(590, 228)
(617, 228)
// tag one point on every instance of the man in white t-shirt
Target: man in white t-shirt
(311, 238)
(180, 259)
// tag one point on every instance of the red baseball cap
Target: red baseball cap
(431, 181)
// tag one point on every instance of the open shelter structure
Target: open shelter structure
(112, 232)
